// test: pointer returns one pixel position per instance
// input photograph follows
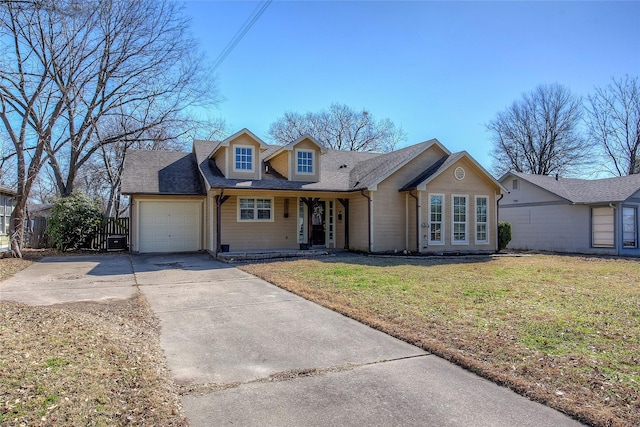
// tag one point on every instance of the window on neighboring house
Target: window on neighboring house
(482, 205)
(6, 208)
(602, 227)
(629, 227)
(304, 161)
(436, 212)
(514, 184)
(459, 219)
(255, 209)
(243, 160)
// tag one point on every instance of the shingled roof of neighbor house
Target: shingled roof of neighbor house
(586, 191)
(161, 172)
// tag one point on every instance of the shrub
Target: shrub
(504, 234)
(73, 219)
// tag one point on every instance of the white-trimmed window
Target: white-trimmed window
(330, 224)
(602, 228)
(459, 219)
(302, 222)
(436, 215)
(243, 158)
(629, 227)
(304, 161)
(482, 218)
(255, 209)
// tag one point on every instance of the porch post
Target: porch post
(345, 204)
(220, 199)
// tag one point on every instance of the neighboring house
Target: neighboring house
(572, 215)
(241, 194)
(7, 202)
(36, 225)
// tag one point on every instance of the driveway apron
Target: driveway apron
(249, 353)
(55, 280)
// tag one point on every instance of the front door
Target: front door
(318, 224)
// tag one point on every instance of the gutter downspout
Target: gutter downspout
(368, 218)
(498, 222)
(417, 222)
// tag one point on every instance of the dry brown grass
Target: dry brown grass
(85, 363)
(562, 330)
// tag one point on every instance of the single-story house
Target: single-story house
(7, 202)
(558, 214)
(241, 194)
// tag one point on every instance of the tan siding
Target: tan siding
(389, 207)
(305, 145)
(281, 163)
(220, 160)
(358, 224)
(279, 234)
(411, 223)
(475, 183)
(389, 204)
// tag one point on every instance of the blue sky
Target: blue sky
(439, 69)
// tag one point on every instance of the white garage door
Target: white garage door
(169, 226)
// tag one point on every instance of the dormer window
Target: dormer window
(304, 161)
(243, 158)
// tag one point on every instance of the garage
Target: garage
(169, 225)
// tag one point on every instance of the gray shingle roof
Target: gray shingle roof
(161, 172)
(586, 191)
(370, 171)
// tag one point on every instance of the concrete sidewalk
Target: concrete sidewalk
(249, 353)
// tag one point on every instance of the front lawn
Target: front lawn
(562, 330)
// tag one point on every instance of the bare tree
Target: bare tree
(339, 127)
(613, 119)
(540, 133)
(70, 67)
(101, 176)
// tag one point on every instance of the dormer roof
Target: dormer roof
(225, 142)
(291, 146)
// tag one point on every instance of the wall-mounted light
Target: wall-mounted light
(339, 216)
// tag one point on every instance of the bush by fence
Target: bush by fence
(36, 236)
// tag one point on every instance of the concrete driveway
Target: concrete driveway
(249, 353)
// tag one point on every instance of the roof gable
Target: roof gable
(370, 173)
(291, 146)
(227, 141)
(420, 182)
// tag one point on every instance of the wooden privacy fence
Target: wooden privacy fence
(112, 233)
(35, 233)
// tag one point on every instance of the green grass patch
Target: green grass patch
(538, 323)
